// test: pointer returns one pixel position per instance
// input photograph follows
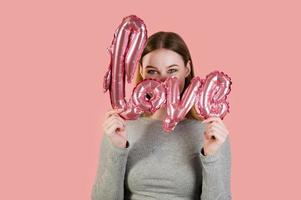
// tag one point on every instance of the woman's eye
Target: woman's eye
(151, 71)
(172, 70)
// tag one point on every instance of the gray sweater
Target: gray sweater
(162, 166)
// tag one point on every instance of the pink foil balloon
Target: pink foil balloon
(178, 108)
(125, 50)
(209, 95)
(212, 100)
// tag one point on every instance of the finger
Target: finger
(112, 117)
(216, 131)
(118, 118)
(108, 121)
(210, 119)
(107, 124)
(220, 136)
(112, 129)
(109, 113)
(114, 121)
(217, 120)
(222, 130)
(216, 124)
(220, 122)
(116, 115)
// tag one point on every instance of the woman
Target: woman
(139, 161)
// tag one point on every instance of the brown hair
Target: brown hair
(174, 42)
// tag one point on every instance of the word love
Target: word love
(208, 95)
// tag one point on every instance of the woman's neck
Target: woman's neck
(160, 114)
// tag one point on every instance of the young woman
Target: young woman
(139, 161)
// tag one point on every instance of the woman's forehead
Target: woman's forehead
(162, 58)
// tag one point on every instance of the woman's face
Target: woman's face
(163, 63)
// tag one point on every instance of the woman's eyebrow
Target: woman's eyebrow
(149, 66)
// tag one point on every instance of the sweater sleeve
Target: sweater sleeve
(109, 181)
(216, 173)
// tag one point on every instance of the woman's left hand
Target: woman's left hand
(215, 134)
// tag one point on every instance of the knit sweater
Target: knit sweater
(159, 165)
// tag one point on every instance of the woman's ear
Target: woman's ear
(188, 68)
(140, 70)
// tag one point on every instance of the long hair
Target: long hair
(174, 42)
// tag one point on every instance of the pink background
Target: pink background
(53, 59)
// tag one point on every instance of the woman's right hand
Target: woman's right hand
(114, 128)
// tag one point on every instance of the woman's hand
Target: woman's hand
(215, 134)
(114, 128)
